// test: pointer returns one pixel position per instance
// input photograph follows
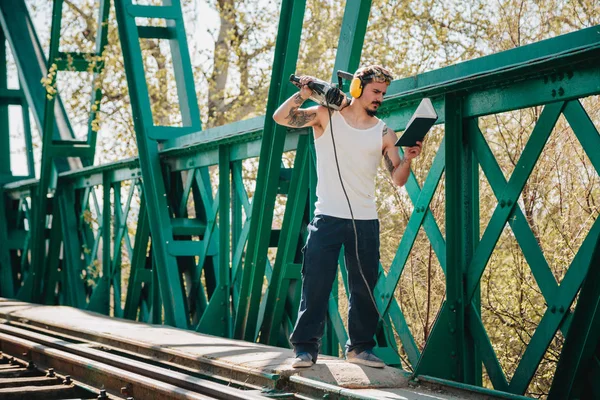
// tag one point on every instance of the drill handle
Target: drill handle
(311, 85)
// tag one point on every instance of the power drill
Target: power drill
(323, 93)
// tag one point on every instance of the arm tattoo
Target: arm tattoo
(384, 131)
(298, 99)
(388, 163)
(299, 118)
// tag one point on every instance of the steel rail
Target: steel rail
(215, 369)
(99, 368)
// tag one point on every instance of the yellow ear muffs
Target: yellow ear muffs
(356, 88)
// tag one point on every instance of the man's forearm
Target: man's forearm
(288, 113)
(401, 172)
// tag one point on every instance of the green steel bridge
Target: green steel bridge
(207, 270)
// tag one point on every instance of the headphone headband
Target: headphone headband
(376, 76)
(359, 82)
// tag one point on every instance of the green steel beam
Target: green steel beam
(32, 67)
(172, 295)
(387, 287)
(139, 272)
(34, 290)
(4, 123)
(28, 141)
(352, 36)
(277, 293)
(286, 55)
(579, 351)
(73, 287)
(557, 312)
(542, 58)
(219, 308)
(508, 200)
(6, 279)
(11, 96)
(444, 355)
(54, 150)
(95, 101)
(6, 287)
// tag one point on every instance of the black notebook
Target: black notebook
(418, 125)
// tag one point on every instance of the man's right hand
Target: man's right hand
(305, 91)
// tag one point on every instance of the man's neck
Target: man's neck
(357, 113)
(357, 117)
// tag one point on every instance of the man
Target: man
(360, 141)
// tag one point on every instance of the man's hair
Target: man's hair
(374, 73)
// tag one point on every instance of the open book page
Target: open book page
(424, 110)
(419, 124)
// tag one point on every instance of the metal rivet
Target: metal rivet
(502, 203)
(553, 309)
(30, 365)
(67, 380)
(452, 307)
(553, 93)
(50, 373)
(561, 91)
(452, 330)
(103, 394)
(561, 309)
(509, 203)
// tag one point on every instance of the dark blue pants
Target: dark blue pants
(326, 235)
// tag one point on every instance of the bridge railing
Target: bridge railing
(100, 254)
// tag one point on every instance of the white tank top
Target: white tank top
(359, 155)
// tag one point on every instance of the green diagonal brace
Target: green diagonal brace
(286, 55)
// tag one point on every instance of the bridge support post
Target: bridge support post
(449, 352)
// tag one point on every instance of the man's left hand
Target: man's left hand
(413, 152)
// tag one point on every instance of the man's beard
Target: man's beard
(372, 113)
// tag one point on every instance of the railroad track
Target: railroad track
(49, 365)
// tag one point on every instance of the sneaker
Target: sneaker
(303, 360)
(365, 358)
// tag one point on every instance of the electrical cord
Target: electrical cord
(355, 230)
(351, 214)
